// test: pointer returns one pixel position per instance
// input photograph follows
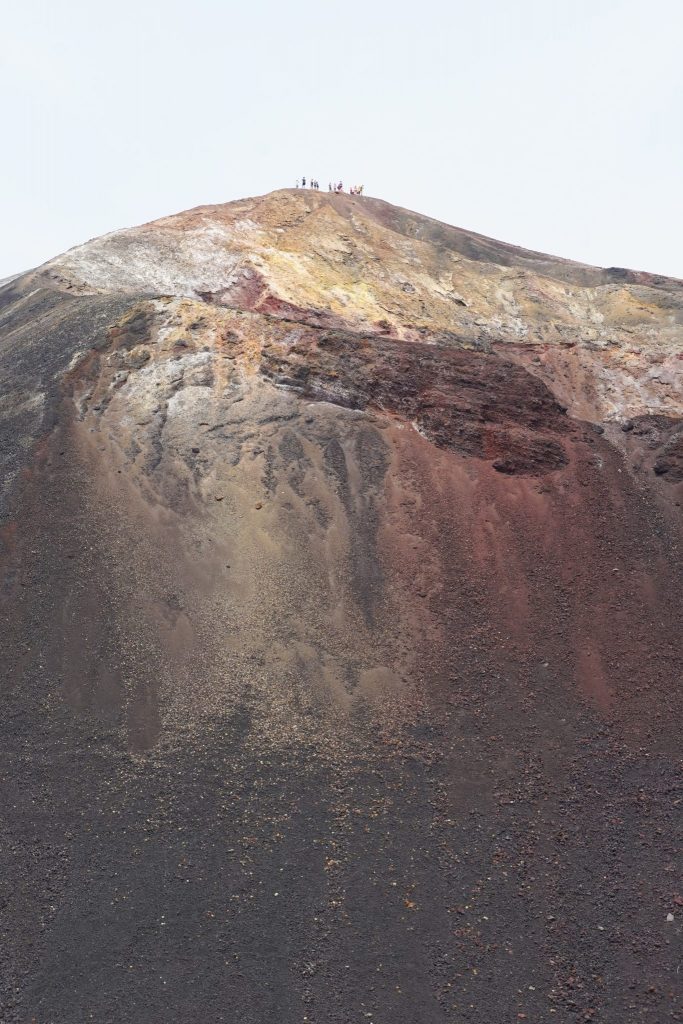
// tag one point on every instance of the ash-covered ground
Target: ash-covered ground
(340, 579)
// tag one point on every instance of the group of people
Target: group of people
(355, 190)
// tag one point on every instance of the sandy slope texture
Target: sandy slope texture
(341, 627)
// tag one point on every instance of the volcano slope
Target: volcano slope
(341, 594)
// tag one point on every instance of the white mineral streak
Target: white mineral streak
(154, 261)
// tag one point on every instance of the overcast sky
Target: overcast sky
(553, 124)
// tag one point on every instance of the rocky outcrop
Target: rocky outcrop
(607, 341)
(473, 403)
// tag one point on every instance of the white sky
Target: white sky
(553, 124)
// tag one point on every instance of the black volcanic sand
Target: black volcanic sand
(507, 848)
(468, 870)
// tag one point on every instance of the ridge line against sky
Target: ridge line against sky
(556, 130)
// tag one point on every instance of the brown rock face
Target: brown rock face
(471, 403)
(340, 573)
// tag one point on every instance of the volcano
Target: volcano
(340, 577)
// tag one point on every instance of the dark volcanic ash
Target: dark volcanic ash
(341, 593)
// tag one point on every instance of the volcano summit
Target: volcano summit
(340, 572)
